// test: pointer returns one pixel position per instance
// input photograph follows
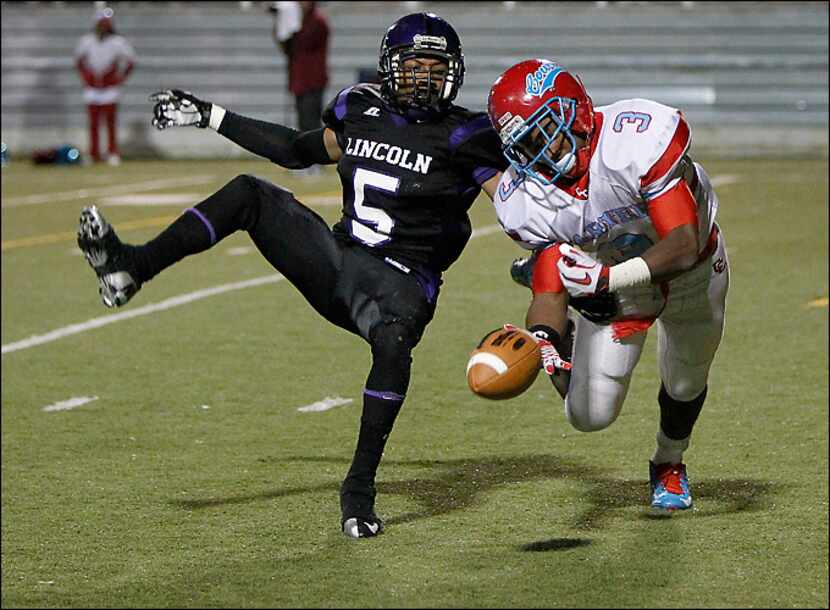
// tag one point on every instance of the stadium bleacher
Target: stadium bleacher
(759, 82)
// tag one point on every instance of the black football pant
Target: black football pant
(342, 280)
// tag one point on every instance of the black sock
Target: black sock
(380, 409)
(677, 417)
(234, 206)
(187, 235)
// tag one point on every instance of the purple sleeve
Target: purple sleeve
(475, 145)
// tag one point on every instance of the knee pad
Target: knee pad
(392, 342)
(235, 206)
(594, 405)
(244, 184)
(678, 417)
(689, 384)
(393, 338)
(250, 194)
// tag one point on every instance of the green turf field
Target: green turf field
(192, 480)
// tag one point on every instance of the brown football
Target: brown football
(504, 364)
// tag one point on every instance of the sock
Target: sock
(234, 206)
(677, 419)
(189, 234)
(669, 450)
(380, 409)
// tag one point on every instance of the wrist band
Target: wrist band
(633, 272)
(540, 331)
(217, 113)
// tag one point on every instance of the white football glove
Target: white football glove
(581, 275)
(551, 360)
(177, 108)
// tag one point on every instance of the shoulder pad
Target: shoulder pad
(642, 140)
(360, 94)
(469, 125)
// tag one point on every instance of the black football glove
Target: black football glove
(177, 108)
(599, 308)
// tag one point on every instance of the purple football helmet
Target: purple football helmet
(421, 35)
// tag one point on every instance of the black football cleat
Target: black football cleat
(362, 527)
(357, 506)
(108, 257)
(521, 269)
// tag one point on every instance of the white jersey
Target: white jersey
(101, 56)
(640, 154)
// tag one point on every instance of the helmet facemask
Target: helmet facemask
(543, 147)
(421, 88)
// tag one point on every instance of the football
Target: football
(504, 364)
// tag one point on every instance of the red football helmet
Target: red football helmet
(531, 105)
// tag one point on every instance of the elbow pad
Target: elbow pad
(310, 147)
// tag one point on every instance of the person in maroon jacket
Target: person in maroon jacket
(307, 53)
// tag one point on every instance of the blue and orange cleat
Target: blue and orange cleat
(669, 487)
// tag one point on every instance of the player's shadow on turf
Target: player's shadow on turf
(459, 484)
(555, 544)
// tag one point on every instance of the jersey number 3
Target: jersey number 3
(640, 119)
(374, 226)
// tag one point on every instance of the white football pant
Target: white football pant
(689, 331)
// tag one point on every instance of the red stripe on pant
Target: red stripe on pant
(96, 111)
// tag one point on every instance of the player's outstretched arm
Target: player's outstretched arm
(547, 320)
(282, 145)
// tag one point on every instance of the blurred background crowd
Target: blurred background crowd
(751, 77)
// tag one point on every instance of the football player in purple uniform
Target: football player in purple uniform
(411, 163)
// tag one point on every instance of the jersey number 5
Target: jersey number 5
(374, 226)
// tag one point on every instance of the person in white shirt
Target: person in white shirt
(288, 19)
(104, 60)
(621, 222)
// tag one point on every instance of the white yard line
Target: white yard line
(156, 199)
(104, 191)
(207, 292)
(65, 405)
(170, 303)
(725, 179)
(239, 251)
(488, 230)
(329, 402)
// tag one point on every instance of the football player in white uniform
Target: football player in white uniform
(622, 227)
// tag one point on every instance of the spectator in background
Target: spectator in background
(104, 59)
(302, 32)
